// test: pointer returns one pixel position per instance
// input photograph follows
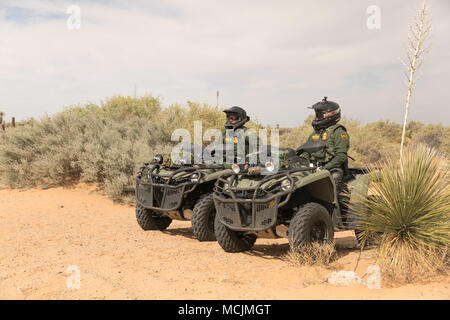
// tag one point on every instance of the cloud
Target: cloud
(266, 56)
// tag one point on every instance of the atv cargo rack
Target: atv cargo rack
(165, 192)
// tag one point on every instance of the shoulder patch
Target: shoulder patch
(315, 137)
(344, 135)
(337, 126)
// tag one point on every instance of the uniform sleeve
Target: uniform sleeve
(341, 146)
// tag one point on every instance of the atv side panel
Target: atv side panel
(320, 185)
(360, 186)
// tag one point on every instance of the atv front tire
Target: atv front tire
(203, 219)
(147, 220)
(311, 223)
(232, 241)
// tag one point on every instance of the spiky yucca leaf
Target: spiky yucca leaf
(410, 209)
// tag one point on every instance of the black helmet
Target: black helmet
(241, 115)
(327, 114)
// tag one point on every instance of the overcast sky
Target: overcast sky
(274, 58)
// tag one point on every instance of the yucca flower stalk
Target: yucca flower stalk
(408, 212)
(420, 33)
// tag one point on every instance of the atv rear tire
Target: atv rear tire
(147, 220)
(232, 241)
(311, 223)
(203, 219)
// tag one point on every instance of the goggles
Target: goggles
(320, 115)
(232, 117)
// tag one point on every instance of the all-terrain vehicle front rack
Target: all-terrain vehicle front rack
(165, 192)
(253, 208)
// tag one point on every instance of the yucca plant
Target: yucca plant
(408, 213)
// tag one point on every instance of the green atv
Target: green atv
(179, 191)
(298, 202)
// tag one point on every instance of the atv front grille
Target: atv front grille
(247, 215)
(251, 208)
(163, 193)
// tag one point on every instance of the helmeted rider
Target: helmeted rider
(326, 128)
(236, 131)
(236, 118)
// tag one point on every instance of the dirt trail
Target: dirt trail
(43, 232)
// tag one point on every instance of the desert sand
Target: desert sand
(46, 233)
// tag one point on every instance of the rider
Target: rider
(235, 131)
(327, 129)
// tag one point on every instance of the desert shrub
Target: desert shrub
(93, 143)
(409, 213)
(433, 135)
(45, 153)
(104, 143)
(297, 136)
(107, 143)
(123, 108)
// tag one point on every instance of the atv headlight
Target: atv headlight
(286, 184)
(194, 177)
(182, 161)
(236, 168)
(270, 166)
(158, 158)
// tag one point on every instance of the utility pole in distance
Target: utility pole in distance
(217, 93)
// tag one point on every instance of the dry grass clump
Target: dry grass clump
(404, 262)
(312, 254)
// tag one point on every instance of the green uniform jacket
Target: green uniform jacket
(335, 155)
(235, 139)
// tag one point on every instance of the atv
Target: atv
(177, 191)
(298, 201)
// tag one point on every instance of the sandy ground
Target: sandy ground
(45, 232)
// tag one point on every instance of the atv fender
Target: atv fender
(319, 184)
(358, 188)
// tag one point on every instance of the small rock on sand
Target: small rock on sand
(344, 278)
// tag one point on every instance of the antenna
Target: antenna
(217, 93)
